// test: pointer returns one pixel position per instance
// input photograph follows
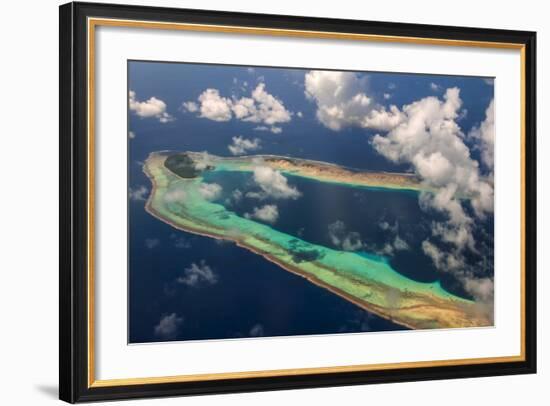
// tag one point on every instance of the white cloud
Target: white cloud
(383, 119)
(273, 184)
(197, 274)
(395, 244)
(435, 87)
(429, 138)
(299, 114)
(237, 195)
(273, 129)
(342, 238)
(387, 96)
(268, 213)
(342, 101)
(434, 253)
(480, 288)
(210, 191)
(384, 225)
(485, 133)
(340, 97)
(213, 106)
(202, 161)
(175, 195)
(190, 106)
(446, 260)
(424, 134)
(152, 107)
(242, 145)
(138, 194)
(260, 107)
(265, 108)
(151, 243)
(399, 244)
(168, 326)
(131, 135)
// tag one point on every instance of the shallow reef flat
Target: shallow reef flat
(320, 171)
(366, 280)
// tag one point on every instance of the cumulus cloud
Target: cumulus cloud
(265, 108)
(259, 107)
(168, 326)
(175, 195)
(138, 194)
(180, 242)
(400, 244)
(485, 134)
(340, 97)
(438, 257)
(430, 140)
(395, 242)
(268, 213)
(210, 191)
(242, 145)
(152, 107)
(435, 87)
(131, 135)
(383, 119)
(190, 106)
(386, 226)
(273, 129)
(236, 197)
(202, 161)
(213, 106)
(342, 101)
(425, 135)
(272, 184)
(342, 238)
(480, 288)
(151, 243)
(196, 274)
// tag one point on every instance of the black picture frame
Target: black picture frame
(74, 385)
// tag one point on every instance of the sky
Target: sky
(440, 128)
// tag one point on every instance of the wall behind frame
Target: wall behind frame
(29, 263)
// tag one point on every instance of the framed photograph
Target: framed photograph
(255, 202)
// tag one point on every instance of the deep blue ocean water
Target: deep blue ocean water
(252, 296)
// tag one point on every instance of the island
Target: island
(364, 279)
